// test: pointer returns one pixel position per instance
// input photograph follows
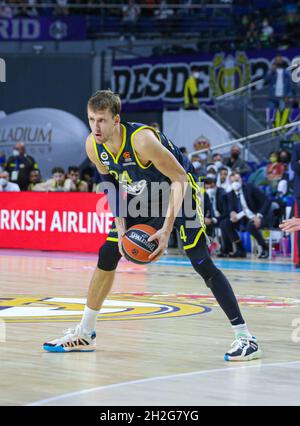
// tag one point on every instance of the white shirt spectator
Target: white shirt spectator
(6, 186)
(246, 211)
(279, 87)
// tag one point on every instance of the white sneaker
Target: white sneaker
(243, 349)
(74, 340)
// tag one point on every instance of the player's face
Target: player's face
(102, 124)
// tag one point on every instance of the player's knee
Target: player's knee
(207, 269)
(109, 256)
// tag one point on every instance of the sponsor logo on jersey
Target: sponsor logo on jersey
(104, 156)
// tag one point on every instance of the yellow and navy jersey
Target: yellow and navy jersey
(126, 167)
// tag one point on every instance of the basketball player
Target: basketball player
(137, 155)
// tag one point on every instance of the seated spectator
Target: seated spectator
(5, 185)
(218, 161)
(6, 11)
(199, 163)
(275, 170)
(248, 208)
(155, 126)
(236, 163)
(252, 36)
(73, 182)
(58, 182)
(211, 171)
(217, 211)
(183, 151)
(19, 166)
(223, 179)
(87, 175)
(34, 179)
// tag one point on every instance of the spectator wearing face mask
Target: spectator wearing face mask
(248, 209)
(218, 161)
(5, 185)
(216, 211)
(191, 92)
(235, 163)
(19, 166)
(211, 171)
(199, 163)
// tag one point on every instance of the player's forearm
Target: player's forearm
(177, 193)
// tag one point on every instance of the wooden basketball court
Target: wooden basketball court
(160, 337)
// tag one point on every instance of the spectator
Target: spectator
(248, 209)
(62, 7)
(275, 170)
(5, 185)
(217, 209)
(34, 179)
(235, 163)
(164, 11)
(19, 166)
(191, 92)
(87, 175)
(280, 84)
(183, 151)
(2, 161)
(56, 184)
(131, 13)
(211, 171)
(218, 161)
(266, 35)
(6, 10)
(199, 163)
(252, 36)
(223, 179)
(73, 182)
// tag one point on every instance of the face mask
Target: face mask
(196, 74)
(211, 175)
(235, 155)
(218, 164)
(211, 191)
(15, 153)
(196, 164)
(236, 186)
(273, 159)
(3, 182)
(203, 156)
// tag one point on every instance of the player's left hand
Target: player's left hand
(163, 238)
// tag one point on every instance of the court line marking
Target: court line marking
(158, 378)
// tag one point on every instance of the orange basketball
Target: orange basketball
(136, 246)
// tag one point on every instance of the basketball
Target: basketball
(136, 246)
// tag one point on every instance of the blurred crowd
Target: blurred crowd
(255, 22)
(238, 195)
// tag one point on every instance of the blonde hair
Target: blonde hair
(105, 99)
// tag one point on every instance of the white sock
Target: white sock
(241, 330)
(89, 319)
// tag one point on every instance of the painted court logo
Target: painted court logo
(2, 71)
(125, 306)
(120, 306)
